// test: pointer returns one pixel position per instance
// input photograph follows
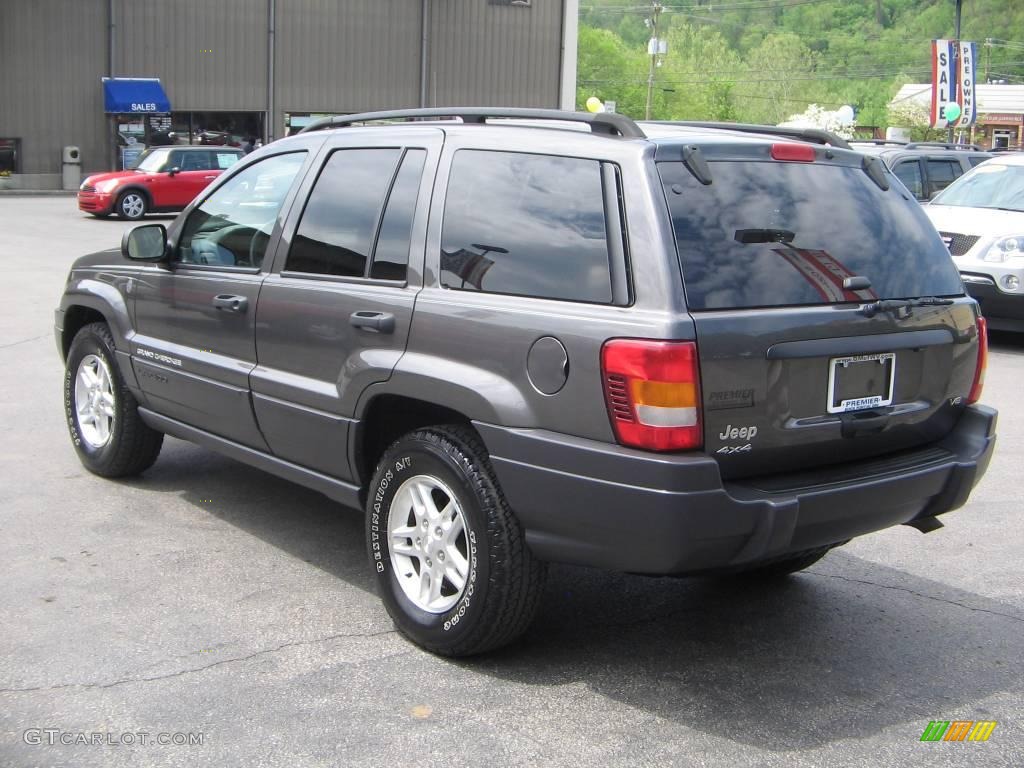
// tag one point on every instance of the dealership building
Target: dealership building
(111, 77)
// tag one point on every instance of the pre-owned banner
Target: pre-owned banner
(943, 81)
(965, 86)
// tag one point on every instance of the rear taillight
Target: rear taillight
(653, 393)
(979, 372)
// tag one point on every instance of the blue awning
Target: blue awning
(134, 95)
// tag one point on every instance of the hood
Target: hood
(96, 178)
(983, 222)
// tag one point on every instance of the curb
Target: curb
(37, 193)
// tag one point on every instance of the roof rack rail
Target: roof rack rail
(607, 123)
(879, 142)
(943, 145)
(813, 135)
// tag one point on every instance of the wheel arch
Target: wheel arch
(89, 300)
(134, 188)
(386, 418)
(76, 317)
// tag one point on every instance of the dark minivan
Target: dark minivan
(654, 348)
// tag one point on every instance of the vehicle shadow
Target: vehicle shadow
(1004, 341)
(845, 650)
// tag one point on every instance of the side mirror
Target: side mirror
(174, 170)
(145, 243)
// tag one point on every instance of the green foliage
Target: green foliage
(765, 64)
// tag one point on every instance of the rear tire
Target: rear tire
(132, 205)
(103, 417)
(452, 565)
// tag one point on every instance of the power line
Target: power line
(812, 78)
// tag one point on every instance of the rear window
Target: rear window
(778, 234)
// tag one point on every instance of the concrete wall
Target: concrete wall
(330, 56)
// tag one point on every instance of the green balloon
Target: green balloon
(952, 111)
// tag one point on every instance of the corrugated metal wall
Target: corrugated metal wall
(52, 54)
(347, 57)
(331, 56)
(209, 54)
(495, 54)
(488, 55)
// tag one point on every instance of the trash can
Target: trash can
(71, 168)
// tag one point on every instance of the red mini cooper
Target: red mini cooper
(165, 179)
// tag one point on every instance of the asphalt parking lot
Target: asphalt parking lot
(209, 598)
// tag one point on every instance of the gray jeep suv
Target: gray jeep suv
(657, 348)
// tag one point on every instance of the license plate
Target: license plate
(861, 381)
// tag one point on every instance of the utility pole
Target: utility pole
(652, 48)
(956, 57)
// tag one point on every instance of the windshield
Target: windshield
(153, 160)
(780, 234)
(990, 185)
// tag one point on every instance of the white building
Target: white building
(1000, 112)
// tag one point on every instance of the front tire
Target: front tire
(131, 205)
(109, 436)
(452, 565)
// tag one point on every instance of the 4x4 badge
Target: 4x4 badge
(728, 449)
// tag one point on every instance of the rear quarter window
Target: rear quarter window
(776, 234)
(525, 224)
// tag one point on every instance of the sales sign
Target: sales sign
(965, 86)
(943, 81)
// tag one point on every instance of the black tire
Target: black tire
(131, 204)
(504, 584)
(131, 446)
(784, 566)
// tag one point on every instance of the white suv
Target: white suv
(980, 217)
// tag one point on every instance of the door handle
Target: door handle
(209, 178)
(379, 322)
(229, 303)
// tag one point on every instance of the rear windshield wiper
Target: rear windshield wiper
(748, 236)
(902, 307)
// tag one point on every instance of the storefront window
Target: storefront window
(10, 155)
(296, 121)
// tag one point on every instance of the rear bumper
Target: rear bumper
(602, 505)
(1003, 311)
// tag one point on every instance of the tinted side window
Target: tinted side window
(391, 256)
(532, 225)
(336, 231)
(232, 226)
(942, 173)
(909, 172)
(975, 160)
